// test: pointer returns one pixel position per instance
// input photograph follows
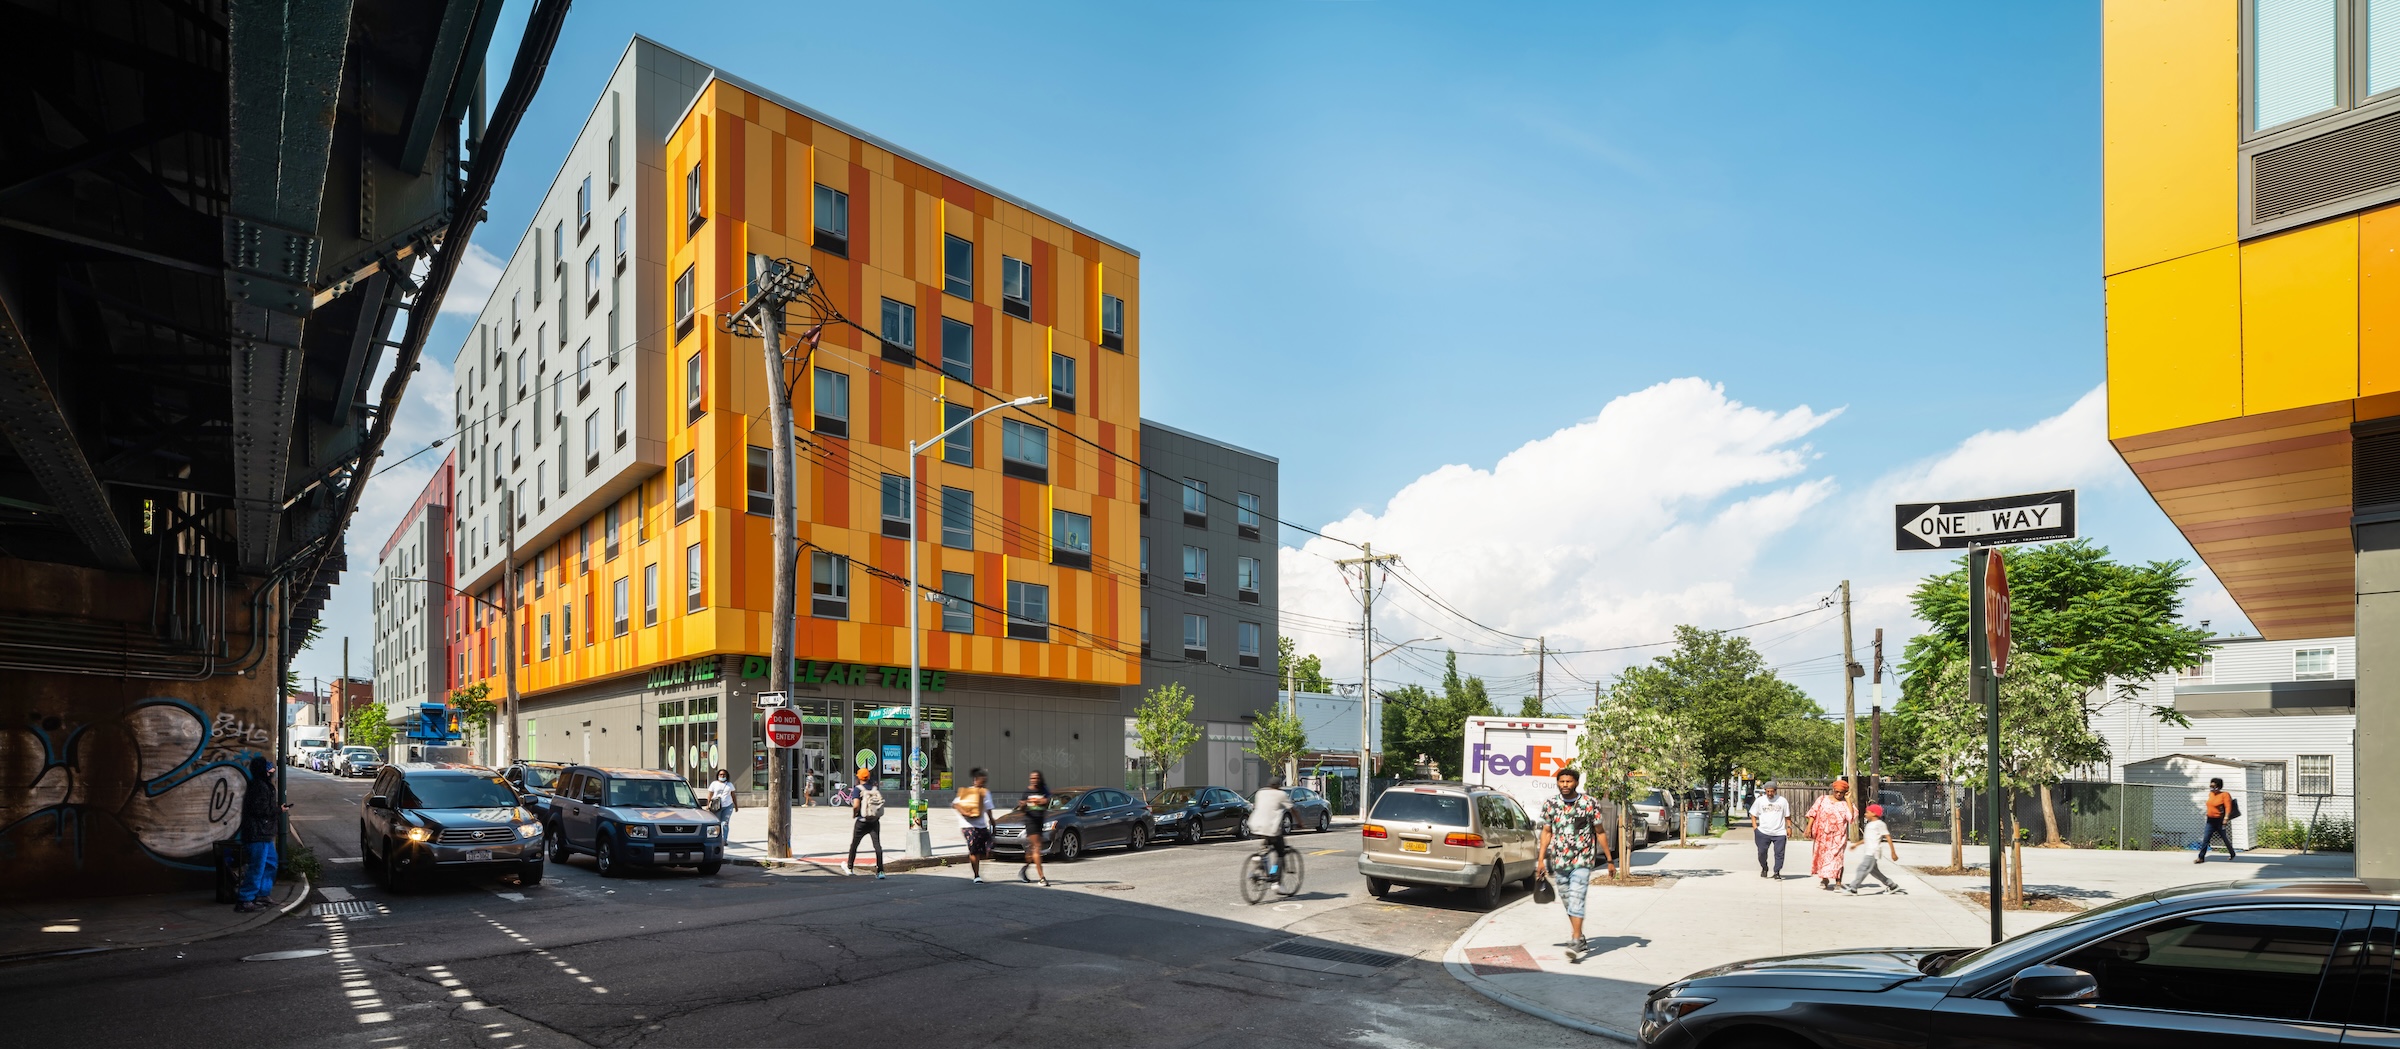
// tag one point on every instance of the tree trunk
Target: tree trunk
(1623, 860)
(1958, 844)
(2049, 817)
(2016, 857)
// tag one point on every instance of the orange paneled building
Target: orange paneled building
(646, 578)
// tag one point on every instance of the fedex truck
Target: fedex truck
(1521, 758)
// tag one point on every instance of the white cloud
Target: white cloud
(471, 286)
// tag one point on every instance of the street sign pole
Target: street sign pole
(1984, 689)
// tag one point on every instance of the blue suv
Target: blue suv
(632, 817)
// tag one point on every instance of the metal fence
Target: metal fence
(2099, 815)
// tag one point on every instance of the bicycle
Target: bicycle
(1256, 878)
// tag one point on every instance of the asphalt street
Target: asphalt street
(1153, 948)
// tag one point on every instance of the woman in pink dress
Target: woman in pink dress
(1829, 829)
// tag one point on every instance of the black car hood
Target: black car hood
(1825, 970)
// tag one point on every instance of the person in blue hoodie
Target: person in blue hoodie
(262, 823)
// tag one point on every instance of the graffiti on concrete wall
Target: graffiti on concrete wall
(161, 769)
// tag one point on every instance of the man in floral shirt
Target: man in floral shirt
(1572, 845)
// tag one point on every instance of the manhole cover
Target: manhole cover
(1116, 888)
(285, 956)
(1323, 957)
(346, 909)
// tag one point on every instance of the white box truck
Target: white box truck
(1521, 758)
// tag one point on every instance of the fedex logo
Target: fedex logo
(1535, 761)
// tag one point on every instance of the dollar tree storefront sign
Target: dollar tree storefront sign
(683, 673)
(812, 672)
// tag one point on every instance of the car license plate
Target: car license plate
(1412, 846)
(479, 855)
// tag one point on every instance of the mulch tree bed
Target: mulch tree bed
(2034, 901)
(1949, 872)
(1634, 881)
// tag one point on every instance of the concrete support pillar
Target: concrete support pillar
(2377, 757)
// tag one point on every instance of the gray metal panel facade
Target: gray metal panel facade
(1223, 689)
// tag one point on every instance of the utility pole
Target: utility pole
(1541, 688)
(770, 291)
(1850, 675)
(506, 738)
(1291, 696)
(1875, 719)
(1367, 562)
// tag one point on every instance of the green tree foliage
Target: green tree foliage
(2044, 733)
(1531, 707)
(1163, 729)
(474, 704)
(1627, 739)
(1307, 672)
(1735, 711)
(1277, 737)
(1417, 721)
(365, 727)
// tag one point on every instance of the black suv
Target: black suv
(632, 817)
(536, 780)
(425, 819)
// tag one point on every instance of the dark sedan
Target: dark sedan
(2228, 964)
(1188, 814)
(1078, 818)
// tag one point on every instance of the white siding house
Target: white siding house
(2287, 707)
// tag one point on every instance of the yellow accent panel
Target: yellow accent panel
(2300, 318)
(2379, 302)
(2174, 344)
(2170, 122)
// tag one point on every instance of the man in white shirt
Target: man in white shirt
(1770, 826)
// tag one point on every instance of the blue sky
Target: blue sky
(1382, 238)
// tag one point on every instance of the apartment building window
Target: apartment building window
(623, 609)
(520, 504)
(958, 606)
(693, 214)
(2316, 773)
(1112, 323)
(516, 327)
(762, 481)
(583, 207)
(545, 650)
(2312, 664)
(695, 388)
(1145, 560)
(617, 415)
(1195, 569)
(958, 349)
(828, 585)
(641, 512)
(687, 487)
(833, 403)
(558, 251)
(1245, 643)
(1246, 517)
(958, 518)
(895, 506)
(1028, 611)
(615, 125)
(1024, 451)
(541, 483)
(1062, 383)
(609, 519)
(516, 445)
(591, 280)
(583, 371)
(899, 332)
(1145, 631)
(1195, 636)
(1246, 578)
(693, 564)
(833, 221)
(620, 241)
(686, 302)
(562, 458)
(1195, 502)
(540, 271)
(2200, 673)
(959, 447)
(650, 595)
(520, 375)
(1070, 539)
(958, 266)
(1016, 288)
(591, 621)
(1145, 485)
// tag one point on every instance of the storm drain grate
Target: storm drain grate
(1320, 957)
(347, 909)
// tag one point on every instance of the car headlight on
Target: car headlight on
(715, 829)
(1168, 817)
(529, 830)
(419, 834)
(636, 830)
(1665, 1009)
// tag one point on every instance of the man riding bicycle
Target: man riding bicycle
(1267, 812)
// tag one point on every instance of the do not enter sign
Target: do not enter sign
(783, 727)
(1995, 610)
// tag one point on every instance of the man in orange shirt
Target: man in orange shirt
(2219, 810)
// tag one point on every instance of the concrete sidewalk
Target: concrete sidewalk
(1718, 910)
(43, 928)
(821, 837)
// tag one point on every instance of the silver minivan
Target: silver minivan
(1448, 835)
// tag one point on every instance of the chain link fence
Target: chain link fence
(2099, 815)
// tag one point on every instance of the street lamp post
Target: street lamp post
(920, 840)
(509, 660)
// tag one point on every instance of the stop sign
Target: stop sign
(783, 727)
(1995, 611)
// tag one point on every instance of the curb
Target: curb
(890, 866)
(1455, 960)
(254, 921)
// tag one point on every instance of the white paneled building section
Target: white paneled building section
(2286, 705)
(408, 651)
(558, 385)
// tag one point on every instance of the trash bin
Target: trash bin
(1695, 823)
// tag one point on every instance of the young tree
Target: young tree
(476, 708)
(1735, 711)
(1307, 673)
(1625, 738)
(1278, 737)
(365, 727)
(1163, 728)
(2043, 734)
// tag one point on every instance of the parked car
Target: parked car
(2229, 963)
(422, 820)
(1653, 818)
(632, 818)
(316, 759)
(1188, 814)
(1899, 814)
(1310, 810)
(1079, 818)
(1448, 835)
(356, 761)
(536, 781)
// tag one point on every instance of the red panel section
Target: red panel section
(986, 364)
(733, 132)
(1045, 283)
(958, 193)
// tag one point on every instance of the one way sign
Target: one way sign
(2033, 518)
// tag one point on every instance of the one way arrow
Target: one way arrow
(1935, 525)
